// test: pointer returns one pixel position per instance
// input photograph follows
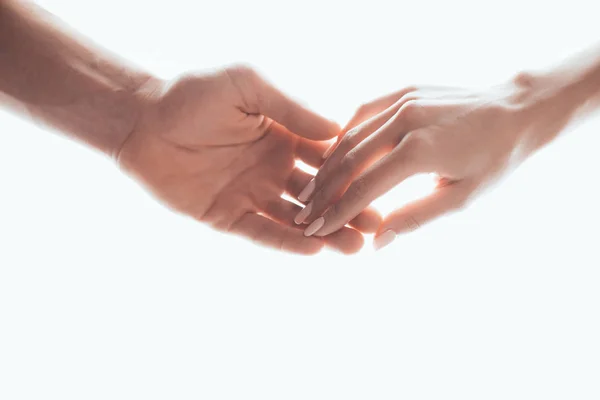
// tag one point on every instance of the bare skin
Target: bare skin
(206, 148)
(468, 138)
(220, 146)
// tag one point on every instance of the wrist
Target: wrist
(145, 98)
(546, 103)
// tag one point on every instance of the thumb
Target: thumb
(261, 97)
(418, 213)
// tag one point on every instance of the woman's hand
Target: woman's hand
(468, 138)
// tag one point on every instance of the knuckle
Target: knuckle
(407, 94)
(349, 141)
(411, 112)
(415, 149)
(359, 189)
(413, 144)
(332, 213)
(348, 162)
(407, 90)
(332, 186)
(408, 98)
(351, 134)
(524, 79)
(363, 109)
(411, 223)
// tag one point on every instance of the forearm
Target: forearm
(65, 82)
(553, 99)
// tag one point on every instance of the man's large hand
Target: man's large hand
(222, 147)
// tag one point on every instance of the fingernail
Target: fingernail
(384, 239)
(303, 214)
(314, 227)
(329, 150)
(307, 191)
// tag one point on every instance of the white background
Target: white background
(104, 294)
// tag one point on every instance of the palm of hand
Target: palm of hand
(204, 157)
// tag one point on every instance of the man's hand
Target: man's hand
(222, 147)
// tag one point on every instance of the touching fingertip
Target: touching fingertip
(314, 227)
(384, 239)
(303, 214)
(307, 191)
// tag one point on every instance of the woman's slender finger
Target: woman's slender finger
(371, 109)
(374, 107)
(332, 182)
(369, 119)
(350, 140)
(366, 222)
(346, 240)
(404, 161)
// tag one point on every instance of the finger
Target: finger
(404, 115)
(368, 114)
(297, 181)
(409, 110)
(333, 185)
(366, 222)
(305, 150)
(310, 152)
(338, 152)
(418, 213)
(269, 233)
(345, 240)
(353, 138)
(372, 108)
(335, 177)
(405, 160)
(397, 119)
(336, 174)
(261, 97)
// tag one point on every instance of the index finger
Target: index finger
(379, 178)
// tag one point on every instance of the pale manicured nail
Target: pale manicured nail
(307, 191)
(303, 214)
(329, 150)
(314, 227)
(384, 239)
